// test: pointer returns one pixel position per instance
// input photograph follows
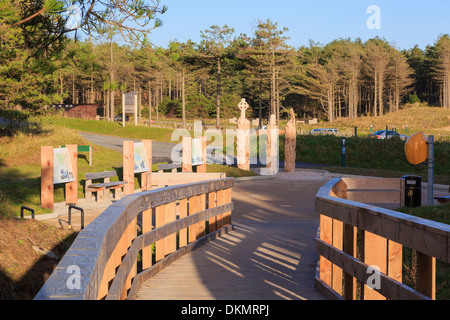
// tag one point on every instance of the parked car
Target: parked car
(381, 134)
(324, 131)
(120, 118)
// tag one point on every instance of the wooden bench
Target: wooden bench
(171, 166)
(443, 199)
(101, 187)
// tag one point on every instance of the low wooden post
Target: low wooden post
(187, 154)
(202, 167)
(72, 187)
(47, 200)
(148, 151)
(128, 167)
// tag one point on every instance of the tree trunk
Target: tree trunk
(218, 94)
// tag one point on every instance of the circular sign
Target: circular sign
(416, 148)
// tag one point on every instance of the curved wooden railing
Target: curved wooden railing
(355, 239)
(109, 260)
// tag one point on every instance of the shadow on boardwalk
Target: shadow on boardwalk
(269, 256)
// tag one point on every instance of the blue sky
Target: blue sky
(403, 23)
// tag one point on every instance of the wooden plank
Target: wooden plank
(395, 260)
(147, 227)
(374, 196)
(202, 168)
(350, 236)
(169, 166)
(201, 206)
(159, 221)
(372, 183)
(170, 242)
(227, 199)
(375, 255)
(337, 241)
(128, 167)
(192, 232)
(71, 188)
(172, 179)
(212, 204)
(100, 175)
(187, 154)
(183, 212)
(220, 201)
(47, 177)
(107, 185)
(148, 152)
(426, 275)
(326, 228)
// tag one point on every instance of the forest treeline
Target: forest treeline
(344, 78)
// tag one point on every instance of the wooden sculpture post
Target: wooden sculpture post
(272, 146)
(289, 143)
(243, 138)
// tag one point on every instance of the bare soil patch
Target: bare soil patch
(25, 264)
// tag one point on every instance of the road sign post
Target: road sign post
(343, 153)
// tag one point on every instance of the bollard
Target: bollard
(343, 153)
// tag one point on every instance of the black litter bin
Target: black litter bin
(413, 191)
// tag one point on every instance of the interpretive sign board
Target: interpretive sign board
(197, 154)
(140, 158)
(62, 166)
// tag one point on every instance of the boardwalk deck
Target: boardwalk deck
(270, 255)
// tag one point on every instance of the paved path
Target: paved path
(269, 256)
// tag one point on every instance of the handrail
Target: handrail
(102, 261)
(382, 233)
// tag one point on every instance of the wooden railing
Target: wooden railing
(360, 245)
(109, 260)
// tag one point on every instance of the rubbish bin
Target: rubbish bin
(413, 191)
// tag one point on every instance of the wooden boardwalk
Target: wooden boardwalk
(269, 255)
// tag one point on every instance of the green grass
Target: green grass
(111, 128)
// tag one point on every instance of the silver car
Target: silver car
(381, 134)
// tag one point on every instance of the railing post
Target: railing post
(192, 236)
(326, 229)
(212, 204)
(350, 234)
(159, 221)
(375, 255)
(147, 227)
(426, 275)
(183, 212)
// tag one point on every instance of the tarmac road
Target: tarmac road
(161, 151)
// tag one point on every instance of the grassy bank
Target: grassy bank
(20, 167)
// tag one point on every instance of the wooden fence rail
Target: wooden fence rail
(138, 236)
(358, 241)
